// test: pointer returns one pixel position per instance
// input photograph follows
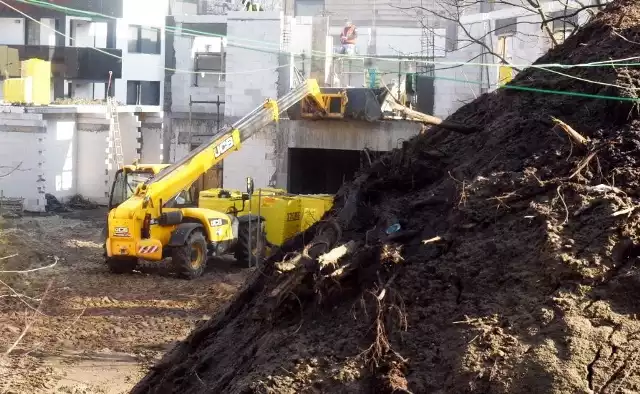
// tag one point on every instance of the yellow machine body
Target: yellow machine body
(154, 216)
(285, 215)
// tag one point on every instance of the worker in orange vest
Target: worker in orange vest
(348, 38)
(249, 5)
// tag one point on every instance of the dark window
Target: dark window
(212, 62)
(560, 22)
(32, 32)
(506, 27)
(144, 40)
(308, 7)
(214, 7)
(143, 92)
(487, 5)
(451, 39)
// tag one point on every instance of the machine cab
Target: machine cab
(125, 183)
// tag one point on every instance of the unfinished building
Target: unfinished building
(233, 75)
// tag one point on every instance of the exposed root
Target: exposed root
(574, 135)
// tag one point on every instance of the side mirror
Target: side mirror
(250, 185)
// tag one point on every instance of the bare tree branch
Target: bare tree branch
(454, 10)
(55, 261)
(28, 324)
(16, 168)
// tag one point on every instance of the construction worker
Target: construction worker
(348, 38)
(248, 5)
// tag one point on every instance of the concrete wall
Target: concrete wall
(60, 154)
(264, 156)
(137, 66)
(459, 85)
(245, 91)
(301, 44)
(47, 33)
(384, 12)
(20, 173)
(151, 138)
(12, 31)
(65, 153)
(183, 83)
(246, 87)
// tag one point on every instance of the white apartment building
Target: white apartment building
(128, 36)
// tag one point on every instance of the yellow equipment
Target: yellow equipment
(156, 218)
(286, 215)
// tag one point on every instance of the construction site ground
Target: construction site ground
(75, 327)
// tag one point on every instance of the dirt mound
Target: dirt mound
(512, 270)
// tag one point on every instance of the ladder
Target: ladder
(427, 47)
(114, 131)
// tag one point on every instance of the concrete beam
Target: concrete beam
(23, 129)
(90, 109)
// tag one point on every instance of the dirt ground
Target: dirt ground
(515, 268)
(87, 330)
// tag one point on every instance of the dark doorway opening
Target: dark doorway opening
(314, 171)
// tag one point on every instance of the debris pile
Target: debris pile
(497, 261)
(75, 202)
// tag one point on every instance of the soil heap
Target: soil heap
(513, 270)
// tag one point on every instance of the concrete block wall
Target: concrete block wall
(21, 165)
(94, 173)
(264, 157)
(152, 145)
(182, 84)
(255, 159)
(461, 85)
(64, 153)
(244, 91)
(60, 152)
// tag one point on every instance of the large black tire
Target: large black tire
(258, 244)
(121, 265)
(190, 259)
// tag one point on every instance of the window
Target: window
(308, 7)
(143, 92)
(144, 40)
(451, 37)
(508, 26)
(562, 26)
(215, 7)
(32, 32)
(212, 62)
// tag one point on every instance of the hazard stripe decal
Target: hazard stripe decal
(147, 249)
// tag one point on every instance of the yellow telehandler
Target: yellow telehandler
(285, 215)
(153, 216)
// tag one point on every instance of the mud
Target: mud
(515, 269)
(87, 330)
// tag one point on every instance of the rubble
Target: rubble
(75, 202)
(512, 270)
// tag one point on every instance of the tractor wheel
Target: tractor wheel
(122, 265)
(256, 238)
(190, 259)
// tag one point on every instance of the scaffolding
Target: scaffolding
(427, 45)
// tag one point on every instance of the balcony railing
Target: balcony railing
(80, 63)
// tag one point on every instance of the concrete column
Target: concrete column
(41, 181)
(319, 33)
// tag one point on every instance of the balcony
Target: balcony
(79, 63)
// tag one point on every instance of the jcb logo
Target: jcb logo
(292, 216)
(223, 147)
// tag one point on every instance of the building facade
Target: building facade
(90, 41)
(499, 38)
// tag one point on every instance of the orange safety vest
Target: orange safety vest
(348, 35)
